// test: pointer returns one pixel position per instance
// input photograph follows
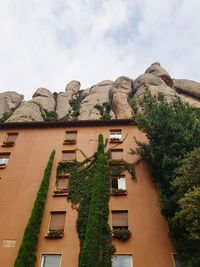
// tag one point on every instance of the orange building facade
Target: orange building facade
(24, 152)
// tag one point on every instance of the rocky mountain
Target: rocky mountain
(104, 100)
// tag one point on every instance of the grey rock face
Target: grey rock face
(159, 71)
(98, 98)
(191, 100)
(9, 101)
(64, 98)
(147, 79)
(164, 89)
(187, 87)
(73, 86)
(155, 79)
(27, 112)
(45, 99)
(96, 95)
(118, 96)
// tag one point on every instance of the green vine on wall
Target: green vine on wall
(89, 192)
(27, 253)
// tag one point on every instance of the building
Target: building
(24, 152)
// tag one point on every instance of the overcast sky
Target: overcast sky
(48, 43)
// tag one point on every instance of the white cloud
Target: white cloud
(48, 43)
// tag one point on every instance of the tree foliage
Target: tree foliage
(89, 193)
(173, 130)
(187, 217)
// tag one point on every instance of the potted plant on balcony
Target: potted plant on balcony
(116, 191)
(121, 234)
(55, 234)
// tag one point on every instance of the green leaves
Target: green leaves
(89, 187)
(173, 130)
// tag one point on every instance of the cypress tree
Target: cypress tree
(96, 249)
(26, 255)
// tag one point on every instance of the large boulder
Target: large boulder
(191, 100)
(9, 101)
(159, 71)
(187, 87)
(96, 95)
(27, 112)
(147, 79)
(168, 92)
(45, 99)
(118, 96)
(63, 99)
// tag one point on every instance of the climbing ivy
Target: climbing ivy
(26, 255)
(96, 249)
(89, 193)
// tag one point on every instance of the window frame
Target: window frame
(118, 191)
(60, 232)
(61, 192)
(3, 165)
(68, 152)
(128, 254)
(68, 141)
(50, 254)
(9, 143)
(115, 139)
(121, 150)
(119, 227)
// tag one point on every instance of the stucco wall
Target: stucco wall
(20, 180)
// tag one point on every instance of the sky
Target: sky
(48, 43)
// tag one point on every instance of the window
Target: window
(51, 260)
(177, 260)
(56, 224)
(117, 154)
(4, 157)
(10, 139)
(62, 184)
(122, 261)
(68, 155)
(116, 136)
(119, 219)
(70, 137)
(118, 182)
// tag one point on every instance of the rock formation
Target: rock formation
(104, 100)
(63, 99)
(44, 98)
(27, 112)
(187, 87)
(9, 101)
(158, 71)
(118, 96)
(96, 95)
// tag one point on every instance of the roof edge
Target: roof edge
(61, 124)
